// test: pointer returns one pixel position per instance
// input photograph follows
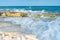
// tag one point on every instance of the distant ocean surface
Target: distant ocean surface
(33, 8)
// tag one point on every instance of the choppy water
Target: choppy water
(45, 30)
(30, 8)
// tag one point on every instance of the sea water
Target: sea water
(43, 28)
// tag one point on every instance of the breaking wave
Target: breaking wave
(43, 28)
(24, 10)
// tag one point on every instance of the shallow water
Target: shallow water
(43, 28)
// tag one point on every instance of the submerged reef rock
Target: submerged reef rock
(16, 14)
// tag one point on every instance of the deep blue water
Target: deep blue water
(48, 8)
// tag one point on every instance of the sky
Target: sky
(29, 2)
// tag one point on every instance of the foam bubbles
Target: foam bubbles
(43, 29)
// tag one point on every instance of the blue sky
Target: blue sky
(29, 2)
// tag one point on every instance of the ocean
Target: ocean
(43, 28)
(33, 8)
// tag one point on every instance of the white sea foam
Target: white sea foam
(49, 30)
(43, 30)
(22, 10)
